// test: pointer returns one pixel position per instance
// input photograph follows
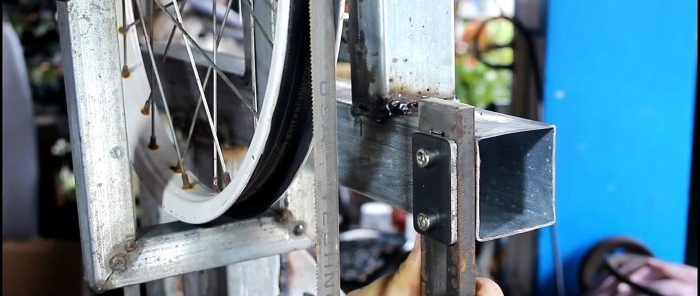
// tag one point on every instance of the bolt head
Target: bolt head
(118, 263)
(131, 246)
(422, 158)
(299, 229)
(425, 222)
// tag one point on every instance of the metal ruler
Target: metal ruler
(325, 146)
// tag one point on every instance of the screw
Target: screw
(118, 262)
(299, 229)
(425, 222)
(424, 157)
(116, 152)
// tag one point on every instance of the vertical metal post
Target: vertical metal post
(325, 146)
(98, 135)
(400, 51)
(450, 269)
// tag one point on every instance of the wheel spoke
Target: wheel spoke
(124, 31)
(206, 81)
(165, 53)
(214, 99)
(257, 21)
(170, 36)
(160, 88)
(177, 21)
(150, 97)
(136, 22)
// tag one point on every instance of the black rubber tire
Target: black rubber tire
(291, 127)
(594, 265)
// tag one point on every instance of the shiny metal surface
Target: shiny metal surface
(403, 51)
(423, 157)
(178, 248)
(325, 147)
(93, 86)
(425, 221)
(514, 174)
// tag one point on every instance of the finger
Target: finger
(406, 281)
(487, 287)
(408, 275)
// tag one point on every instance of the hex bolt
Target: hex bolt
(118, 263)
(299, 229)
(425, 158)
(426, 222)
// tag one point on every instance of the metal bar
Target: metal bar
(325, 146)
(505, 144)
(400, 52)
(177, 248)
(456, 275)
(94, 94)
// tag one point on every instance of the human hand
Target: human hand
(487, 287)
(406, 281)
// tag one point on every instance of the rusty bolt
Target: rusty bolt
(118, 262)
(131, 245)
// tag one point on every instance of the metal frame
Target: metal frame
(373, 158)
(115, 253)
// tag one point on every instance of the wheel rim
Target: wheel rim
(158, 169)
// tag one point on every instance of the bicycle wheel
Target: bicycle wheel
(268, 104)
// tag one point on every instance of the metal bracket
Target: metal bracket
(435, 187)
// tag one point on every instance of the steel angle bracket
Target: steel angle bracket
(435, 186)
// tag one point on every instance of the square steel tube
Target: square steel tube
(402, 50)
(515, 167)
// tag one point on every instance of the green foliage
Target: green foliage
(478, 84)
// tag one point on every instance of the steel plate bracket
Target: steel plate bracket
(435, 187)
